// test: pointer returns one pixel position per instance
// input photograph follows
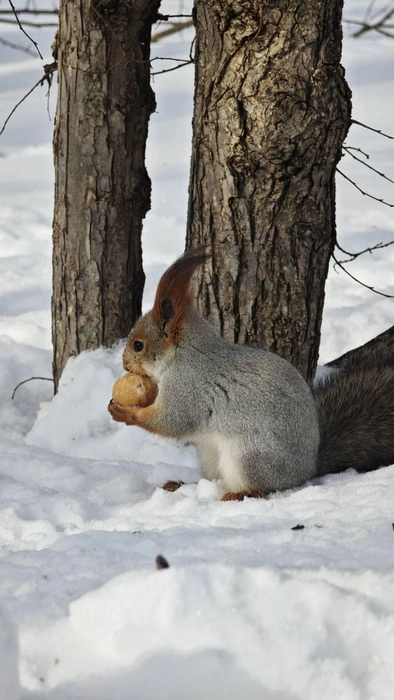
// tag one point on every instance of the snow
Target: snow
(249, 605)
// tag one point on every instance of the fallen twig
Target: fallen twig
(45, 379)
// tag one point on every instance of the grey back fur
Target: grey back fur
(250, 405)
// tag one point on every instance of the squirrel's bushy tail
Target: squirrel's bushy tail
(356, 415)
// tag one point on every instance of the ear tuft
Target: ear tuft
(173, 296)
(167, 310)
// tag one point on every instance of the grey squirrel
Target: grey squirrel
(256, 423)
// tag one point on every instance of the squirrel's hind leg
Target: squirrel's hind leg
(209, 458)
(241, 495)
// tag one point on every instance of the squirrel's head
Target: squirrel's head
(157, 334)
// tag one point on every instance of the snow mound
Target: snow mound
(9, 659)
(76, 422)
(218, 632)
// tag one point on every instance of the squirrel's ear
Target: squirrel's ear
(166, 309)
(173, 296)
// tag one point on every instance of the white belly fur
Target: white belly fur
(219, 459)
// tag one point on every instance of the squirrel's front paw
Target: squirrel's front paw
(122, 414)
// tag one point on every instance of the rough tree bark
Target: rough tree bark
(102, 190)
(272, 109)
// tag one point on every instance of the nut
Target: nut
(134, 390)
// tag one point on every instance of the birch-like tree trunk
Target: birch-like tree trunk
(102, 189)
(272, 109)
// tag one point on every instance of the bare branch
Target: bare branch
(48, 96)
(366, 27)
(29, 24)
(168, 58)
(165, 18)
(28, 11)
(11, 45)
(358, 22)
(49, 69)
(366, 194)
(377, 131)
(25, 33)
(171, 30)
(191, 52)
(372, 289)
(168, 70)
(359, 150)
(380, 25)
(385, 33)
(359, 160)
(353, 256)
(39, 82)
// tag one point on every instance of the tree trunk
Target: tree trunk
(272, 109)
(102, 190)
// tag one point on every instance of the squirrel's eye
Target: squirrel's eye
(138, 345)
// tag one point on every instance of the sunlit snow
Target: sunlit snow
(250, 607)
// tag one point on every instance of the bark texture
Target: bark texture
(102, 190)
(272, 109)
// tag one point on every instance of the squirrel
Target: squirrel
(257, 425)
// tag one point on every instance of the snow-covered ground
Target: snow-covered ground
(249, 605)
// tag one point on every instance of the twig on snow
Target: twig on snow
(45, 379)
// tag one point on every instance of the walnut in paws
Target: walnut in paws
(134, 390)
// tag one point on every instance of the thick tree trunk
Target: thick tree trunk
(102, 189)
(272, 109)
